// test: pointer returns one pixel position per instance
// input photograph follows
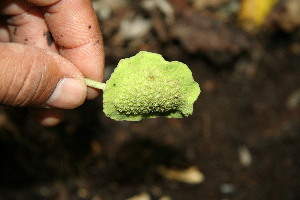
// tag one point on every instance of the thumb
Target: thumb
(30, 76)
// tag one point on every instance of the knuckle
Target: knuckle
(29, 86)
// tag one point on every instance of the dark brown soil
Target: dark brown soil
(249, 107)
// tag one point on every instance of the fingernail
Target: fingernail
(69, 93)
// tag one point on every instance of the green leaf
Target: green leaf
(147, 86)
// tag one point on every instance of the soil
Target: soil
(243, 137)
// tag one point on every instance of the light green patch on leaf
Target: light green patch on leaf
(147, 86)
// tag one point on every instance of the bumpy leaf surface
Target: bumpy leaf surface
(147, 86)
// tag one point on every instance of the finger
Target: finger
(26, 25)
(4, 34)
(75, 29)
(13, 7)
(48, 117)
(31, 76)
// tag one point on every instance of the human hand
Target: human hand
(47, 48)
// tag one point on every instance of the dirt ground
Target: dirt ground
(242, 141)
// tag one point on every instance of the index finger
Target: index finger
(75, 29)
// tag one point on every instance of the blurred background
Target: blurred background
(242, 141)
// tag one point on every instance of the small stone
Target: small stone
(97, 197)
(83, 193)
(190, 175)
(293, 100)
(245, 156)
(141, 196)
(227, 188)
(165, 197)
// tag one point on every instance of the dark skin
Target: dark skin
(47, 47)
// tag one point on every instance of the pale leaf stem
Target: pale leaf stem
(94, 84)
